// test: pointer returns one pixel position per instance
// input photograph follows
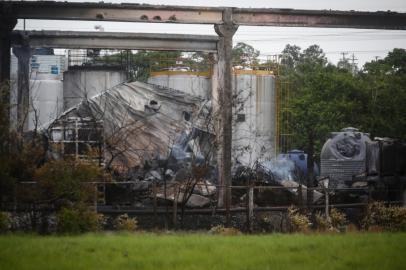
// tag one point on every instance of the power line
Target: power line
(333, 52)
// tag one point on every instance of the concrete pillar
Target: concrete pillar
(6, 26)
(23, 53)
(225, 93)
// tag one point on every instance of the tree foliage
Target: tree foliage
(20, 156)
(244, 55)
(328, 98)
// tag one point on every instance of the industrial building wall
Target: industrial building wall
(80, 84)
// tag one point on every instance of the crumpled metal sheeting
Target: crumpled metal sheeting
(140, 120)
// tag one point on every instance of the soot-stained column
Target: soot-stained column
(6, 27)
(224, 89)
(23, 53)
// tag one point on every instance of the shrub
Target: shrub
(4, 222)
(336, 222)
(338, 219)
(299, 222)
(78, 220)
(62, 180)
(380, 217)
(125, 223)
(221, 230)
(321, 223)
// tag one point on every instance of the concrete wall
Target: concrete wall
(79, 84)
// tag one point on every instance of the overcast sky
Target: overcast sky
(364, 44)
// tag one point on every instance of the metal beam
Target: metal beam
(203, 15)
(106, 40)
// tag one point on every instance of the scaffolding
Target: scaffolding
(284, 118)
(78, 138)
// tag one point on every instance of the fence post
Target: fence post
(15, 198)
(369, 194)
(250, 208)
(327, 202)
(300, 190)
(96, 195)
(175, 205)
(154, 199)
(228, 205)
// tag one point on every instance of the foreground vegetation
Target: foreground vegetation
(202, 251)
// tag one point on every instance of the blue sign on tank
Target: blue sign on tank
(54, 70)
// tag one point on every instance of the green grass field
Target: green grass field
(202, 251)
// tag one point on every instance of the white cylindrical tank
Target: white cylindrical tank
(46, 102)
(46, 98)
(254, 116)
(196, 84)
(254, 109)
(79, 84)
(46, 90)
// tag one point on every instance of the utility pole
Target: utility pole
(344, 58)
(353, 64)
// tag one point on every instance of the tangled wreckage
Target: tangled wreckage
(156, 139)
(161, 143)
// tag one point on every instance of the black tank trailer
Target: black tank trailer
(349, 158)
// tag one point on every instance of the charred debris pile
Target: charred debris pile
(159, 140)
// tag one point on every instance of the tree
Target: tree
(141, 63)
(325, 98)
(397, 60)
(344, 64)
(290, 57)
(384, 85)
(245, 55)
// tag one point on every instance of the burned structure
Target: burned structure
(228, 115)
(143, 122)
(350, 159)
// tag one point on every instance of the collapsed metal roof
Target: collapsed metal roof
(143, 121)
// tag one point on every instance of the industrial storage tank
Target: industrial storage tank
(46, 101)
(343, 156)
(46, 92)
(194, 83)
(85, 82)
(254, 116)
(254, 108)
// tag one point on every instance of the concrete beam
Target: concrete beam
(105, 40)
(320, 18)
(116, 12)
(204, 15)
